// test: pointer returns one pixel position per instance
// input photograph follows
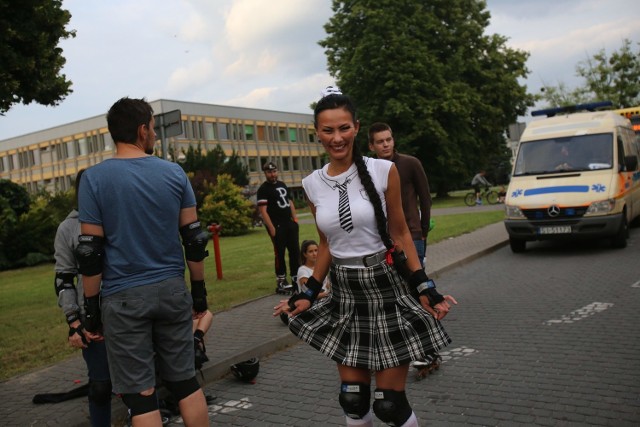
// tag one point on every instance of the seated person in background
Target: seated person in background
(308, 256)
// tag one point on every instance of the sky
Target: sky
(265, 54)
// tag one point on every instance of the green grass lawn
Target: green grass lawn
(33, 332)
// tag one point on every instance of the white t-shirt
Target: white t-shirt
(322, 191)
(306, 272)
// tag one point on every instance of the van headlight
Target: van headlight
(602, 207)
(513, 212)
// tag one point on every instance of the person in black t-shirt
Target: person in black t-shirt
(279, 217)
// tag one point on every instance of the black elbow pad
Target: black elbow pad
(194, 240)
(90, 254)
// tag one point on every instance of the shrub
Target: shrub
(225, 205)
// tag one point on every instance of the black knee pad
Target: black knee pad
(139, 404)
(100, 392)
(182, 389)
(354, 399)
(391, 407)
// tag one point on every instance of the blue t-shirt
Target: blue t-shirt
(137, 202)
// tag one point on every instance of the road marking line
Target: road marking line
(581, 313)
(636, 285)
(456, 353)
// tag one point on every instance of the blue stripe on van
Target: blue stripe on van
(557, 189)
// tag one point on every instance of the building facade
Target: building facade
(50, 159)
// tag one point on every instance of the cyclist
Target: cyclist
(478, 181)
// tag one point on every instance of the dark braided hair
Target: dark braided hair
(335, 101)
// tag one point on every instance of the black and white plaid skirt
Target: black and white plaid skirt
(369, 320)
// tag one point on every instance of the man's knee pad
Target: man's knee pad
(391, 407)
(100, 392)
(182, 389)
(139, 404)
(354, 399)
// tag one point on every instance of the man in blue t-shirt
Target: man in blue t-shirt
(279, 217)
(134, 210)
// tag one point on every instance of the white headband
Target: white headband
(330, 90)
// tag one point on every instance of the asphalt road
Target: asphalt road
(549, 337)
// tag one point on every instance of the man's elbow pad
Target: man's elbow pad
(64, 281)
(194, 240)
(90, 254)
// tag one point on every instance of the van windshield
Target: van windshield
(567, 154)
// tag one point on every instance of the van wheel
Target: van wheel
(517, 245)
(619, 241)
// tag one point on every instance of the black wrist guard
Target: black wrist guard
(310, 294)
(425, 286)
(199, 295)
(73, 317)
(93, 322)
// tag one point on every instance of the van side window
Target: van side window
(620, 144)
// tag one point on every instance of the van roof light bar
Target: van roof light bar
(591, 106)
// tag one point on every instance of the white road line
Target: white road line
(636, 285)
(581, 313)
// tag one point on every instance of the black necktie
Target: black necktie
(344, 211)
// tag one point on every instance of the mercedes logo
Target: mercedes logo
(553, 211)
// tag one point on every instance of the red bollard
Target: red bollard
(215, 234)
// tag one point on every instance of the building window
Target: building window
(293, 135)
(253, 164)
(209, 131)
(237, 132)
(71, 149)
(223, 131)
(296, 163)
(62, 151)
(249, 133)
(261, 133)
(282, 134)
(263, 160)
(81, 147)
(273, 133)
(285, 163)
(107, 141)
(2, 164)
(312, 136)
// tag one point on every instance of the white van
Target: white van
(575, 176)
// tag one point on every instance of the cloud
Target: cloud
(189, 77)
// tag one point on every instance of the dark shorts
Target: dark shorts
(146, 322)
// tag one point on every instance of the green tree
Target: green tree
(204, 168)
(614, 78)
(30, 59)
(426, 67)
(35, 218)
(225, 205)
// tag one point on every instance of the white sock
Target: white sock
(366, 421)
(412, 421)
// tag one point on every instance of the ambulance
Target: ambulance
(575, 176)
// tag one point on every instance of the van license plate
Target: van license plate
(557, 229)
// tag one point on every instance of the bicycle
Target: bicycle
(491, 196)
